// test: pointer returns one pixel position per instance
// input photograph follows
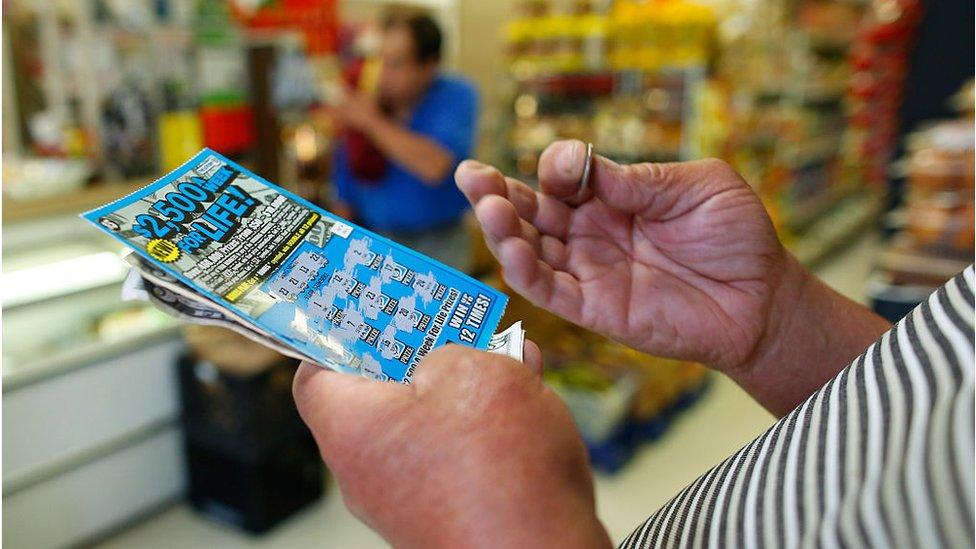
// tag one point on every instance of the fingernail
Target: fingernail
(569, 159)
(472, 164)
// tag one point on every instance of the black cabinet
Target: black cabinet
(251, 461)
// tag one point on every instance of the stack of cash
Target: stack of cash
(149, 283)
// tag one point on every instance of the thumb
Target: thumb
(337, 406)
(649, 188)
(532, 356)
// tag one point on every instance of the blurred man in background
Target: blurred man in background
(393, 168)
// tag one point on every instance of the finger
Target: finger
(450, 367)
(522, 197)
(631, 188)
(532, 356)
(310, 388)
(537, 281)
(552, 216)
(477, 180)
(649, 188)
(554, 252)
(547, 215)
(499, 220)
(326, 401)
(531, 235)
(560, 169)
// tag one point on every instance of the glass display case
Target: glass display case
(60, 298)
(89, 388)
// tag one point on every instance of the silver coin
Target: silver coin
(587, 168)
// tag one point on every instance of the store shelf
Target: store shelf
(586, 84)
(113, 403)
(814, 152)
(805, 213)
(73, 203)
(836, 228)
(830, 46)
(900, 257)
(71, 509)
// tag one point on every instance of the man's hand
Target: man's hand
(476, 452)
(419, 154)
(671, 259)
(679, 260)
(358, 111)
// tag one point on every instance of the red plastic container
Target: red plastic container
(228, 129)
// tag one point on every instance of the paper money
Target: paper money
(508, 342)
(181, 307)
(146, 283)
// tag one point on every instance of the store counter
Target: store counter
(90, 405)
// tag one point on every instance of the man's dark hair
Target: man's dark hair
(423, 30)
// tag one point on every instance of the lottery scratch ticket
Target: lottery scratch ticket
(221, 245)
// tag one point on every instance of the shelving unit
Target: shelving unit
(625, 76)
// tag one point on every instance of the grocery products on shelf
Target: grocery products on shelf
(800, 97)
(132, 87)
(879, 59)
(786, 66)
(622, 75)
(935, 239)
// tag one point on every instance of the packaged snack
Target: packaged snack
(219, 244)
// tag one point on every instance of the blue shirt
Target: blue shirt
(399, 200)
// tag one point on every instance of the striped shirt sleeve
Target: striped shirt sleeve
(880, 456)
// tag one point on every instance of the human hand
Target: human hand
(477, 451)
(679, 259)
(358, 111)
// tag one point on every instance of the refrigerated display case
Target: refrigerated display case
(90, 407)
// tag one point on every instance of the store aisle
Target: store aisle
(725, 419)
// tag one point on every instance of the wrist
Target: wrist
(761, 373)
(811, 333)
(793, 290)
(577, 530)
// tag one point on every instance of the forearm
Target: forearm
(813, 333)
(420, 155)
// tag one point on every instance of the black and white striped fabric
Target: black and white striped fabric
(881, 456)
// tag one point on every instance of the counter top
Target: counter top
(72, 203)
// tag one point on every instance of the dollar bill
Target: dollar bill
(508, 342)
(194, 311)
(147, 283)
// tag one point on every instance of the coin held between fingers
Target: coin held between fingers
(584, 182)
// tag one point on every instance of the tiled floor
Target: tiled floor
(722, 422)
